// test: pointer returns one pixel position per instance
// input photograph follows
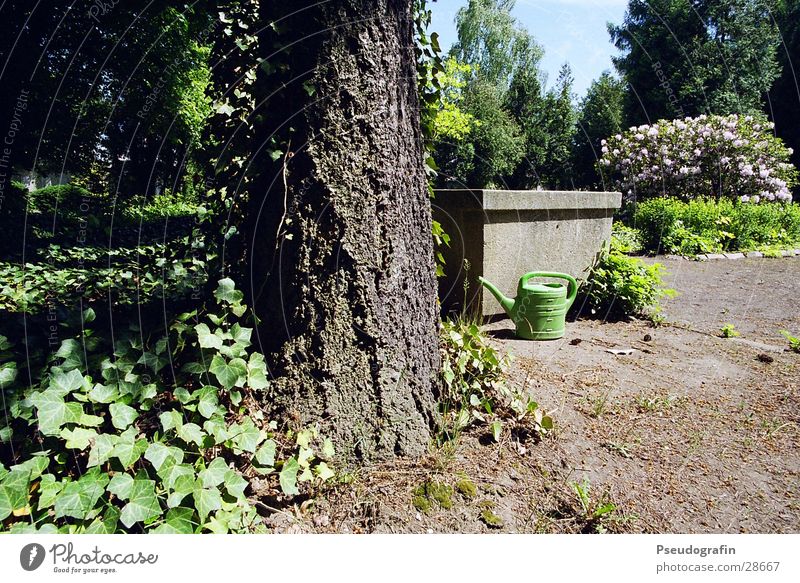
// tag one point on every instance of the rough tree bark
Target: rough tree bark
(346, 293)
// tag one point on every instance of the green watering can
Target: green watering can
(539, 309)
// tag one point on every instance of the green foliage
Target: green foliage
(160, 206)
(430, 493)
(475, 389)
(794, 341)
(705, 226)
(619, 286)
(119, 441)
(728, 331)
(594, 512)
(687, 57)
(600, 115)
(626, 239)
(450, 122)
(492, 40)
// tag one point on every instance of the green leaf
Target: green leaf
(157, 454)
(257, 372)
(64, 383)
(288, 477)
(191, 432)
(227, 292)
(207, 401)
(128, 450)
(248, 437)
(323, 472)
(142, 503)
(171, 471)
(206, 501)
(78, 438)
(102, 449)
(497, 428)
(35, 466)
(265, 456)
(206, 338)
(78, 499)
(184, 485)
(241, 335)
(229, 374)
(103, 393)
(49, 489)
(13, 492)
(106, 525)
(120, 485)
(178, 521)
(328, 452)
(122, 415)
(171, 420)
(214, 474)
(235, 484)
(51, 411)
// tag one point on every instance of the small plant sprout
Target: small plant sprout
(794, 342)
(728, 331)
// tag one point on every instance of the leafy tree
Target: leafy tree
(600, 116)
(491, 39)
(784, 98)
(688, 57)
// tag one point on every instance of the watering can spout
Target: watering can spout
(507, 303)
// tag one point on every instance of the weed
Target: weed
(593, 512)
(794, 342)
(728, 331)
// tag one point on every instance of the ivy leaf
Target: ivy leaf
(227, 292)
(103, 394)
(327, 449)
(229, 374)
(214, 474)
(171, 471)
(64, 383)
(35, 466)
(265, 456)
(128, 449)
(171, 420)
(106, 525)
(51, 411)
(235, 484)
(78, 438)
(122, 415)
(178, 521)
(49, 489)
(191, 432)
(142, 504)
(248, 437)
(241, 335)
(184, 485)
(324, 473)
(120, 485)
(101, 449)
(157, 454)
(288, 477)
(207, 401)
(77, 499)
(13, 492)
(257, 372)
(206, 338)
(206, 501)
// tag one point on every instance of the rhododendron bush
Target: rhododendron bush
(716, 156)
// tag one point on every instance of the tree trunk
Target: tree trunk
(346, 291)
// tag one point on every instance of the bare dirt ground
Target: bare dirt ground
(690, 433)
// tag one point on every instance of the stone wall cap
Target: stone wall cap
(498, 200)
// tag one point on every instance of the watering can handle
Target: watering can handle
(572, 288)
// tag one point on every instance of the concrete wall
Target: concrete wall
(504, 234)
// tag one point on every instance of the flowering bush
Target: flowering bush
(718, 156)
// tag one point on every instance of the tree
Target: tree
(689, 57)
(491, 39)
(348, 307)
(600, 116)
(784, 98)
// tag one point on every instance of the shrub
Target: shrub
(62, 198)
(628, 239)
(618, 286)
(158, 433)
(704, 225)
(475, 388)
(714, 156)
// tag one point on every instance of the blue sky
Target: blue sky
(572, 31)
